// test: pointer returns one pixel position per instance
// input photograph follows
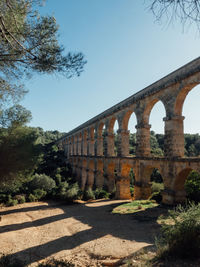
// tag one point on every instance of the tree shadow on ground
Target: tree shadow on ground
(101, 222)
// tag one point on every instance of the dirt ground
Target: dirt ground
(86, 234)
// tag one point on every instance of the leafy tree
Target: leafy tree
(192, 186)
(155, 149)
(29, 43)
(19, 154)
(15, 116)
(53, 162)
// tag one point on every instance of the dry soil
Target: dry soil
(87, 234)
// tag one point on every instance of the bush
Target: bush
(61, 190)
(157, 187)
(181, 235)
(39, 194)
(73, 192)
(42, 181)
(100, 193)
(192, 186)
(156, 176)
(132, 190)
(156, 190)
(31, 198)
(89, 194)
(11, 202)
(20, 198)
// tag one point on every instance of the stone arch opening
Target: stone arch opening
(143, 186)
(115, 131)
(131, 124)
(191, 122)
(180, 99)
(99, 139)
(157, 185)
(109, 137)
(179, 190)
(154, 114)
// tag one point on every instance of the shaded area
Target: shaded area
(101, 221)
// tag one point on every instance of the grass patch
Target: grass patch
(135, 206)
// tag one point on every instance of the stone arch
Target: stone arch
(126, 119)
(181, 178)
(100, 127)
(179, 190)
(98, 144)
(91, 132)
(149, 107)
(109, 138)
(180, 99)
(111, 123)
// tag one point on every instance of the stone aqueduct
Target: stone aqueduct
(94, 162)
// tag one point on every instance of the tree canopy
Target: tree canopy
(29, 43)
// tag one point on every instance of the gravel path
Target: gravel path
(87, 234)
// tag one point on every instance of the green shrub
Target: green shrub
(42, 181)
(11, 202)
(20, 198)
(156, 190)
(89, 194)
(132, 190)
(157, 187)
(100, 193)
(72, 192)
(192, 186)
(181, 235)
(156, 176)
(58, 178)
(31, 198)
(61, 190)
(39, 193)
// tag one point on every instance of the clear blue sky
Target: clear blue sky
(126, 51)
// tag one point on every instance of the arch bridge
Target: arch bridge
(90, 149)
